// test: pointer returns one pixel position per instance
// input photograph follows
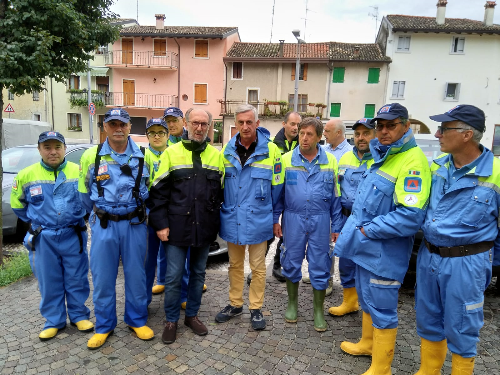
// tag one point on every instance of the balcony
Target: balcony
(264, 109)
(142, 59)
(140, 100)
(79, 98)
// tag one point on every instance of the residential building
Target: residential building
(439, 62)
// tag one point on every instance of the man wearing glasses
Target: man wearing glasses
(460, 235)
(114, 186)
(378, 236)
(186, 195)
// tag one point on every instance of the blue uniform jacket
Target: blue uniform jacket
(468, 212)
(389, 208)
(250, 191)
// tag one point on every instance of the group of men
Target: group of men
(369, 200)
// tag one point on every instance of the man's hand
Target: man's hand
(362, 231)
(277, 230)
(335, 237)
(163, 234)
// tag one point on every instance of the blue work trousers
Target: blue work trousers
(62, 274)
(449, 298)
(378, 296)
(176, 260)
(119, 239)
(347, 271)
(313, 233)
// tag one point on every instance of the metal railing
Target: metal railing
(267, 108)
(141, 100)
(79, 99)
(142, 58)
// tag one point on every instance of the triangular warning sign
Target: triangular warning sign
(413, 184)
(9, 108)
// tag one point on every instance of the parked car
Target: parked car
(13, 160)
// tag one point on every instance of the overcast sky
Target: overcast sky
(327, 20)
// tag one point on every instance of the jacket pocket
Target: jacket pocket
(230, 187)
(328, 186)
(213, 191)
(378, 193)
(477, 206)
(261, 179)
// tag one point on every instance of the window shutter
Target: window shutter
(160, 47)
(201, 48)
(200, 93)
(305, 72)
(338, 75)
(460, 44)
(401, 91)
(335, 110)
(293, 72)
(373, 75)
(369, 110)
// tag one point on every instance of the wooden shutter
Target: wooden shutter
(373, 75)
(293, 72)
(369, 110)
(338, 75)
(200, 93)
(335, 109)
(160, 47)
(201, 48)
(304, 78)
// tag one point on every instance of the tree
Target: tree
(48, 38)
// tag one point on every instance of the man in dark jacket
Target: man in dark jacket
(186, 194)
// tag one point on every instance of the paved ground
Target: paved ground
(230, 348)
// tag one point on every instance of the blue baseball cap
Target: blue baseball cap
(117, 114)
(363, 121)
(469, 114)
(45, 136)
(173, 111)
(156, 121)
(391, 112)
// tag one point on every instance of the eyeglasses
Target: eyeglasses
(441, 130)
(389, 127)
(197, 123)
(154, 134)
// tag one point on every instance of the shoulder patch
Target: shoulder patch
(411, 199)
(14, 185)
(413, 184)
(277, 168)
(277, 178)
(414, 172)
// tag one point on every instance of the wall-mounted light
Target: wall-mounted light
(142, 39)
(154, 80)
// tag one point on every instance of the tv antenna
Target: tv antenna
(374, 15)
(272, 22)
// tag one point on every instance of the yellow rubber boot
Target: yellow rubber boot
(204, 288)
(432, 356)
(349, 303)
(48, 334)
(84, 325)
(364, 346)
(98, 340)
(384, 341)
(144, 333)
(461, 365)
(157, 289)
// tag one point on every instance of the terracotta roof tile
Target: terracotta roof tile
(417, 23)
(179, 31)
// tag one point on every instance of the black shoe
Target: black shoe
(278, 275)
(258, 322)
(169, 333)
(249, 278)
(227, 313)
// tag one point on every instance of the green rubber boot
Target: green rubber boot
(293, 301)
(319, 314)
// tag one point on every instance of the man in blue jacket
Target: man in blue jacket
(378, 236)
(45, 194)
(252, 174)
(460, 234)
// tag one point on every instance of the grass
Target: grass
(14, 268)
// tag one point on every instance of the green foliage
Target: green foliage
(47, 38)
(15, 267)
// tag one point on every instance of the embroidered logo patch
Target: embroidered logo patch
(14, 185)
(115, 112)
(53, 134)
(411, 200)
(451, 110)
(103, 169)
(277, 178)
(341, 172)
(416, 173)
(413, 184)
(277, 168)
(36, 190)
(156, 166)
(103, 177)
(385, 109)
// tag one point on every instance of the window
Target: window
(201, 48)
(37, 117)
(301, 102)
(369, 110)
(338, 75)
(398, 90)
(458, 44)
(253, 96)
(36, 96)
(200, 93)
(302, 72)
(11, 95)
(452, 91)
(335, 109)
(102, 50)
(74, 82)
(160, 47)
(404, 44)
(237, 70)
(496, 141)
(75, 121)
(373, 75)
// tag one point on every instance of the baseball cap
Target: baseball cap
(156, 121)
(363, 121)
(469, 114)
(45, 136)
(391, 112)
(173, 111)
(117, 114)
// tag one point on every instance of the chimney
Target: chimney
(356, 51)
(441, 11)
(488, 12)
(160, 21)
(282, 42)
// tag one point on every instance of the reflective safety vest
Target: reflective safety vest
(250, 191)
(152, 158)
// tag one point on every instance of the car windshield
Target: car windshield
(16, 158)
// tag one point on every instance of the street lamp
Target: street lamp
(296, 34)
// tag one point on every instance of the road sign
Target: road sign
(91, 109)
(9, 108)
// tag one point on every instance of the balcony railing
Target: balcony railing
(80, 99)
(267, 108)
(140, 100)
(150, 59)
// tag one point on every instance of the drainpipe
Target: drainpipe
(225, 106)
(52, 102)
(329, 83)
(178, 73)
